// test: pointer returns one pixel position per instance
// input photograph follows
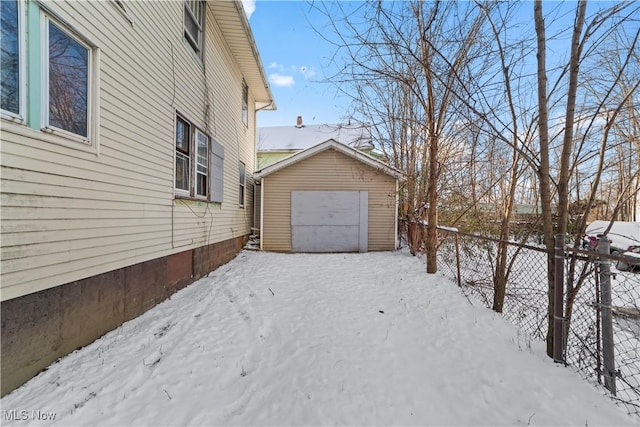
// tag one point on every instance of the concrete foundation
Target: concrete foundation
(39, 328)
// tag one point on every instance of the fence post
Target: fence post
(458, 261)
(607, 318)
(558, 300)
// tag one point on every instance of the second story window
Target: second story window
(245, 103)
(194, 23)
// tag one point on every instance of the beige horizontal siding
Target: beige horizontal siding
(329, 170)
(69, 213)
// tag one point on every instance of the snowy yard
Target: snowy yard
(339, 339)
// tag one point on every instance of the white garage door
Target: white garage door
(329, 221)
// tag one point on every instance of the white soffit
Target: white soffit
(232, 21)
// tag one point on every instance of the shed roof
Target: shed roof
(232, 21)
(326, 145)
(292, 138)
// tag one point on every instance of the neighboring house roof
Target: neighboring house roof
(293, 138)
(232, 21)
(326, 145)
(519, 208)
(622, 233)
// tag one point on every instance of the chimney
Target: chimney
(299, 122)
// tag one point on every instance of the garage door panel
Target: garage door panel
(325, 208)
(311, 238)
(329, 221)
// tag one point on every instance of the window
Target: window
(67, 82)
(202, 164)
(11, 84)
(245, 103)
(63, 76)
(183, 158)
(242, 184)
(194, 23)
(193, 162)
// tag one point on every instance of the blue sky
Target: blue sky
(296, 60)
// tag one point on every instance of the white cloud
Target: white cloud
(282, 81)
(249, 7)
(307, 72)
(284, 75)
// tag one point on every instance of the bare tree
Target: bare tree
(588, 37)
(430, 74)
(414, 54)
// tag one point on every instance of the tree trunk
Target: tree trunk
(543, 170)
(567, 143)
(432, 197)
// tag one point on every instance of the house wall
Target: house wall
(93, 235)
(70, 213)
(267, 158)
(328, 170)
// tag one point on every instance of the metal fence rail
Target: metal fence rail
(470, 261)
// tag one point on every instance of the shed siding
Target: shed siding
(329, 170)
(69, 212)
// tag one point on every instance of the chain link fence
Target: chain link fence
(471, 261)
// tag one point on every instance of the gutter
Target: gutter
(252, 42)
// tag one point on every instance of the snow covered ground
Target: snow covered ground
(336, 339)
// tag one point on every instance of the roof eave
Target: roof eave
(235, 28)
(330, 143)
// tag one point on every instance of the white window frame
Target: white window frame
(197, 45)
(193, 136)
(242, 189)
(245, 103)
(197, 135)
(22, 69)
(180, 192)
(91, 82)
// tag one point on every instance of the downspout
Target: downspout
(252, 42)
(261, 212)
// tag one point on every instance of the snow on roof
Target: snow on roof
(622, 234)
(293, 138)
